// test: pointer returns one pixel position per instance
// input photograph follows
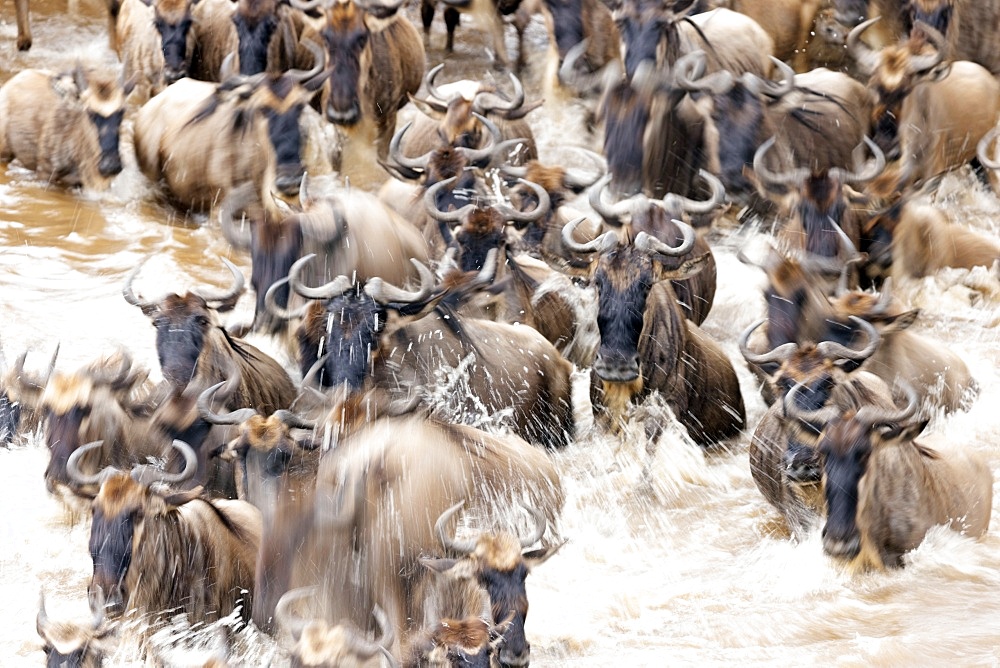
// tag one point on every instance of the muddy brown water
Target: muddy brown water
(686, 567)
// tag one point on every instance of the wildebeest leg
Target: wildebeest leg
(23, 25)
(427, 14)
(521, 20)
(113, 8)
(451, 20)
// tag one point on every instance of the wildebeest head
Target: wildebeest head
(448, 159)
(92, 403)
(643, 25)
(456, 643)
(894, 72)
(173, 21)
(320, 645)
(256, 22)
(102, 98)
(265, 448)
(937, 14)
(625, 272)
(347, 34)
(497, 562)
(74, 645)
(123, 504)
(481, 228)
(847, 441)
(20, 391)
(183, 323)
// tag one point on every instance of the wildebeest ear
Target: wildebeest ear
(455, 568)
(538, 557)
(896, 433)
(687, 269)
(180, 498)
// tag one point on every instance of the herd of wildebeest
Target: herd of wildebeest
(322, 501)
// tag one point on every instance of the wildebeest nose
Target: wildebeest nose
(110, 165)
(617, 368)
(509, 659)
(838, 547)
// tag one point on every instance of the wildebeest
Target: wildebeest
(656, 217)
(647, 345)
(398, 341)
(374, 60)
(449, 117)
(161, 41)
(350, 231)
(20, 397)
(155, 551)
(64, 126)
(320, 645)
(203, 139)
(495, 561)
(969, 26)
(884, 490)
(816, 118)
(799, 310)
(652, 133)
(587, 25)
(819, 212)
(788, 22)
(75, 645)
(377, 498)
(929, 115)
(268, 34)
(487, 14)
(912, 239)
(193, 348)
(785, 463)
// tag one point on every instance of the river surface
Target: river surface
(686, 566)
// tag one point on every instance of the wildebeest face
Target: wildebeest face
(118, 513)
(255, 23)
(641, 27)
(457, 643)
(346, 36)
(62, 433)
(623, 279)
(509, 596)
(104, 100)
(173, 21)
(851, 12)
(627, 114)
(738, 115)
(283, 131)
(845, 446)
(460, 127)
(182, 323)
(349, 327)
(482, 231)
(274, 248)
(108, 128)
(567, 23)
(937, 14)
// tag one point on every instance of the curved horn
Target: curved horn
(449, 542)
(650, 245)
(878, 416)
(385, 293)
(331, 290)
(929, 61)
(884, 299)
(793, 177)
(865, 57)
(292, 623)
(715, 200)
(602, 243)
(778, 89)
(26, 378)
(845, 274)
(293, 420)
(227, 299)
(411, 168)
(42, 623)
(431, 87)
(688, 74)
(430, 197)
(776, 356)
(366, 649)
(613, 213)
(308, 5)
(73, 465)
(534, 537)
(983, 147)
(480, 157)
(144, 474)
(271, 304)
(204, 404)
(130, 296)
(309, 380)
(319, 60)
(577, 180)
(487, 101)
(380, 10)
(856, 178)
(541, 209)
(834, 350)
(237, 199)
(100, 376)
